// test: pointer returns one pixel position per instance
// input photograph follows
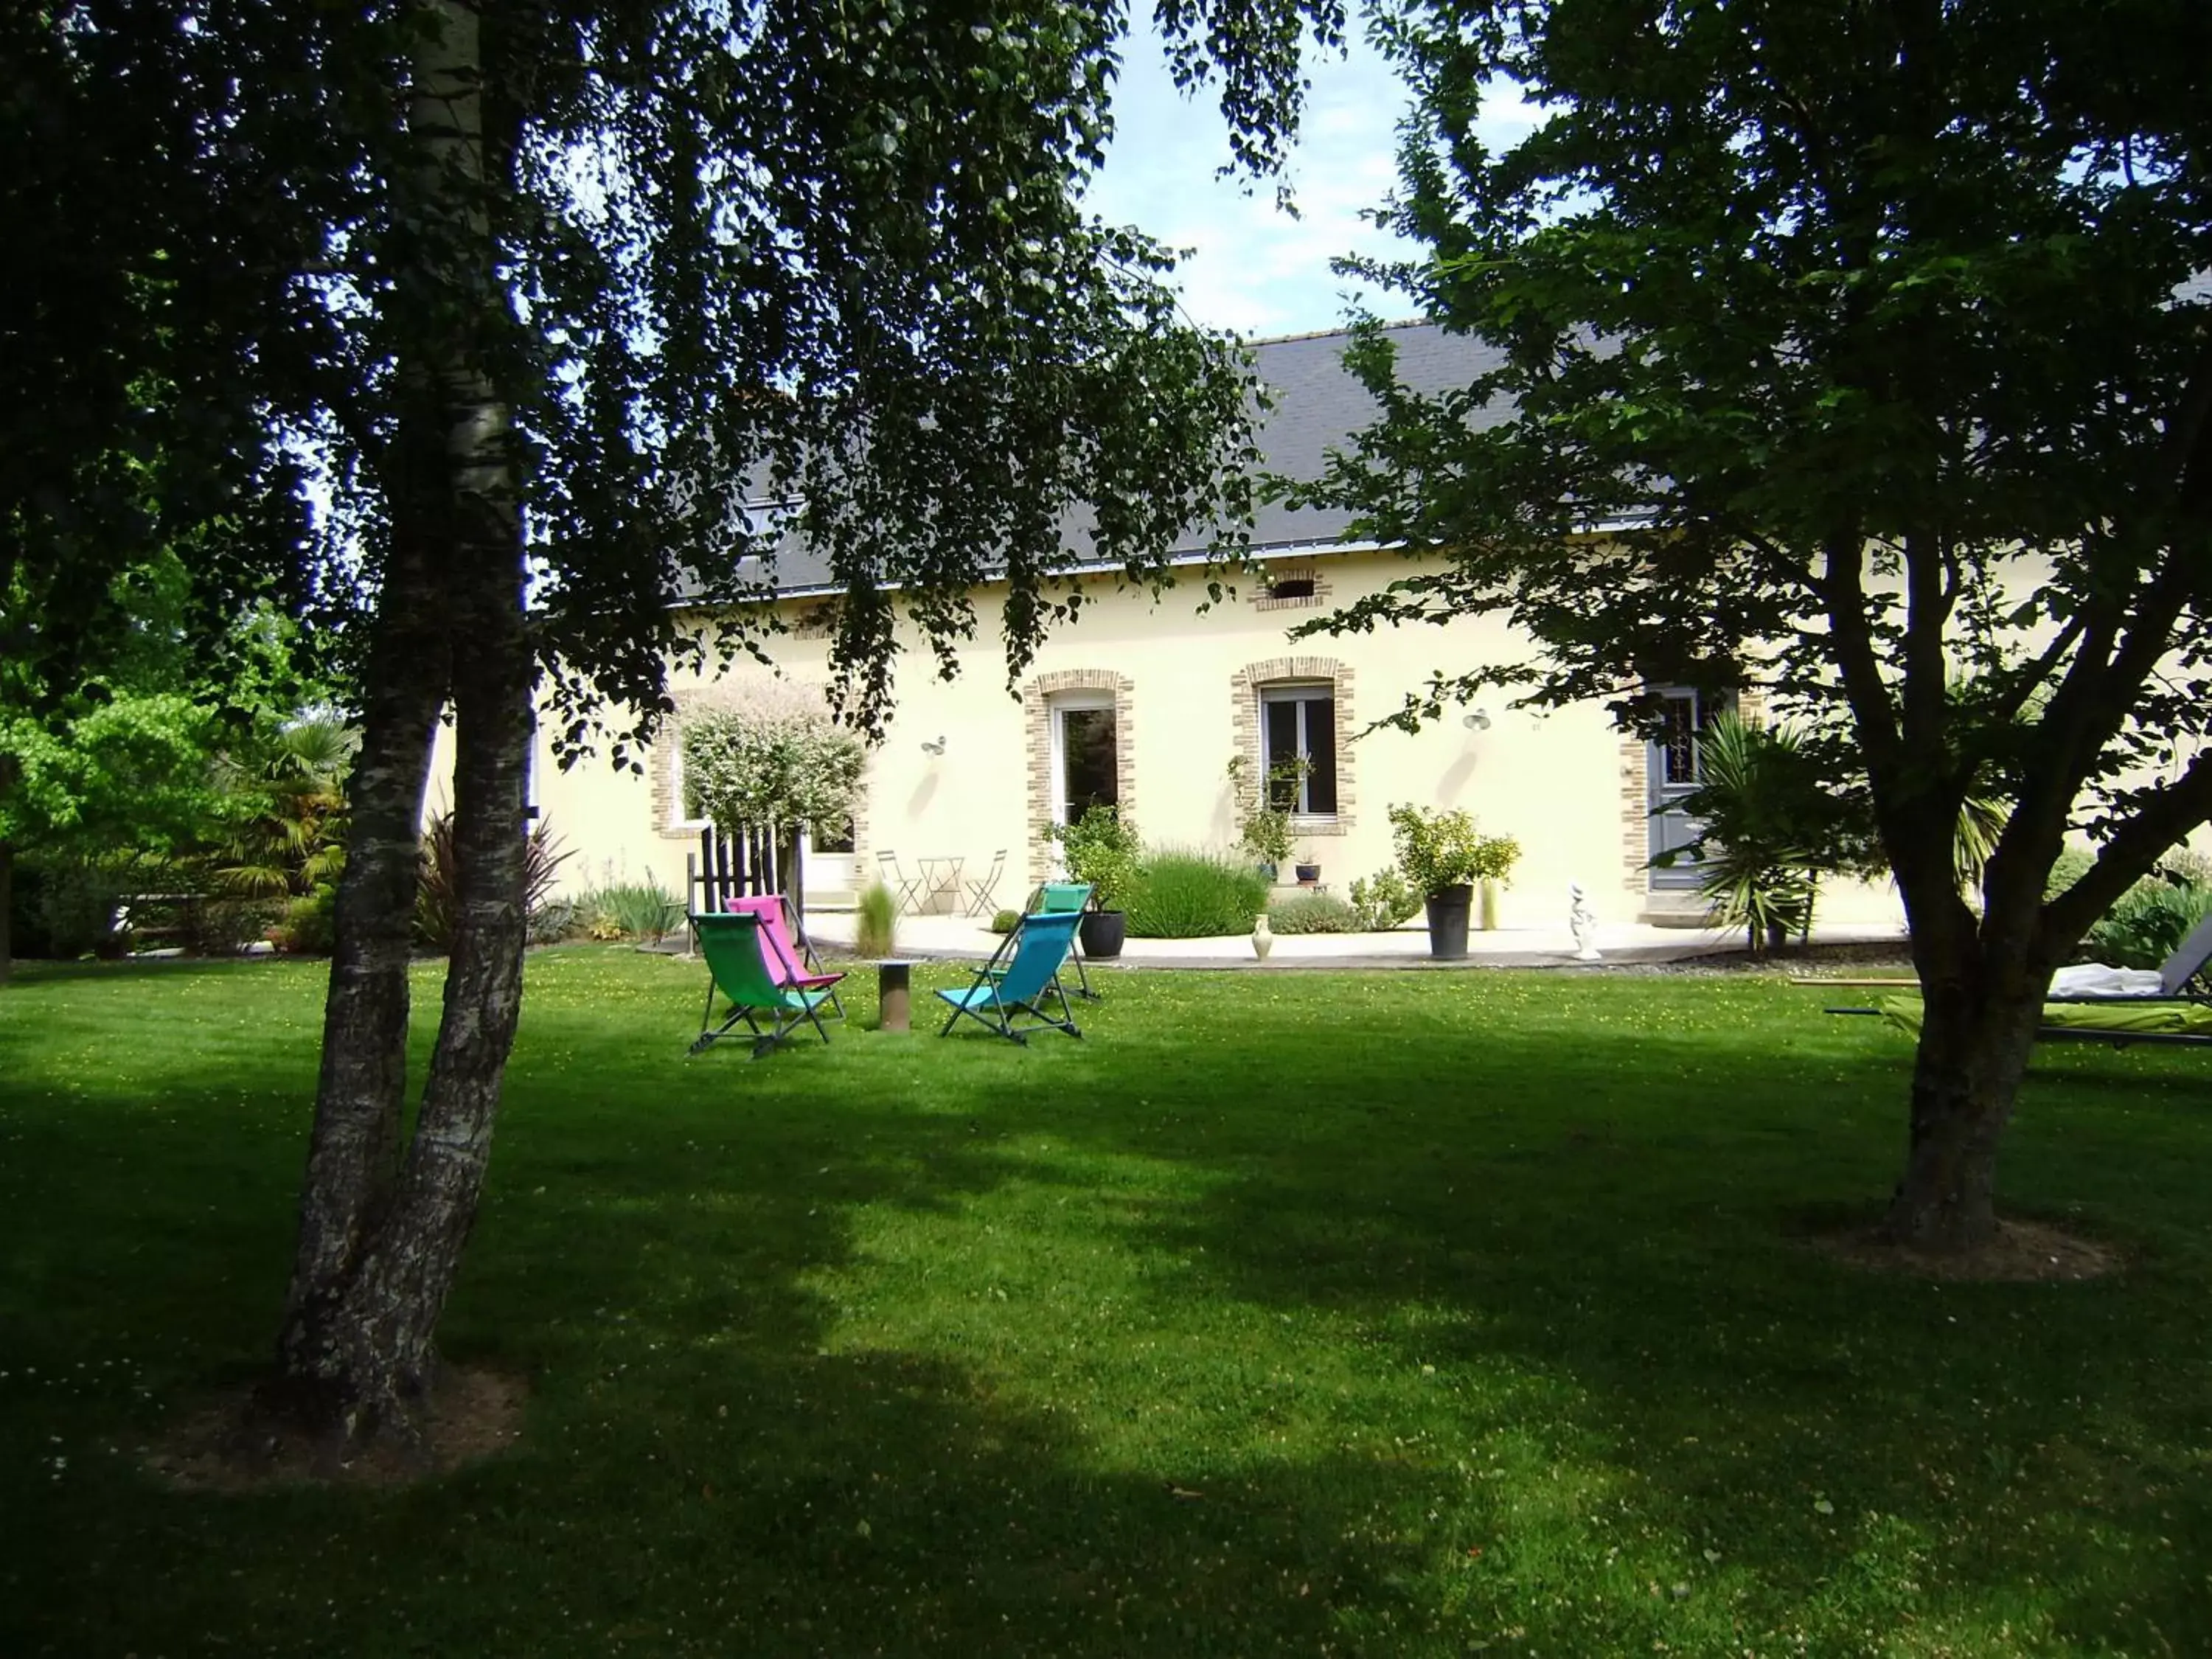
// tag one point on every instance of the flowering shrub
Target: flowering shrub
(1383, 900)
(1313, 913)
(1441, 849)
(1102, 848)
(769, 756)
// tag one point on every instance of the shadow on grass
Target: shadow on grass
(703, 1472)
(1540, 1314)
(28, 974)
(1613, 1211)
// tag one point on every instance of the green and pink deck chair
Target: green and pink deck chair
(790, 953)
(768, 983)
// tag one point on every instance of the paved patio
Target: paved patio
(930, 937)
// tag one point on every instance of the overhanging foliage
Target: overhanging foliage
(1863, 353)
(769, 757)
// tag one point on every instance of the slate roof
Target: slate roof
(1318, 407)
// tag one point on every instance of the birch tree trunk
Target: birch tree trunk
(382, 1224)
(354, 1148)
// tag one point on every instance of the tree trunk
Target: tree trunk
(382, 1227)
(357, 1352)
(354, 1148)
(1978, 1028)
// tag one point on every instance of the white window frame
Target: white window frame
(677, 824)
(1298, 692)
(1060, 705)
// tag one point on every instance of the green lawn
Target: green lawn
(1470, 1306)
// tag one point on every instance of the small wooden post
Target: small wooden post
(893, 991)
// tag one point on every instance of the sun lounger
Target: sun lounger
(2092, 1003)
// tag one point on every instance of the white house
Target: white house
(1144, 702)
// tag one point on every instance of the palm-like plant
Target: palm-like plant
(289, 838)
(1770, 830)
(438, 896)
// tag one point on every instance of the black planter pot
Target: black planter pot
(1309, 874)
(1102, 932)
(1447, 922)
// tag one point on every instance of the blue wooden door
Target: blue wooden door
(1673, 770)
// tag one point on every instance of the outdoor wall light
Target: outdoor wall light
(937, 747)
(1477, 721)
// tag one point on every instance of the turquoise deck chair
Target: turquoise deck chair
(1021, 974)
(1051, 900)
(738, 966)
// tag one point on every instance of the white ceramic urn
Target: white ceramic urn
(1263, 937)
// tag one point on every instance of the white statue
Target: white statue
(1582, 921)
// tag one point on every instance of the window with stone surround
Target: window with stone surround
(677, 814)
(1291, 587)
(1100, 703)
(1297, 747)
(1292, 708)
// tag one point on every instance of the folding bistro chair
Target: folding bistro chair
(790, 953)
(1055, 898)
(1017, 979)
(983, 890)
(735, 946)
(909, 888)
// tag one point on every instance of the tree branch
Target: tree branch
(1845, 596)
(2167, 816)
(1929, 602)
(2009, 705)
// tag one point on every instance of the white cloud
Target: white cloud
(1253, 267)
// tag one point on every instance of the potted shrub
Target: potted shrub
(1266, 836)
(1263, 830)
(1102, 848)
(1441, 855)
(1494, 858)
(1309, 869)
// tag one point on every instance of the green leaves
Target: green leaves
(130, 768)
(832, 256)
(1101, 847)
(1772, 828)
(1440, 847)
(770, 758)
(1841, 351)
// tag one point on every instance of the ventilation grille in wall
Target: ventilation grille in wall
(1290, 589)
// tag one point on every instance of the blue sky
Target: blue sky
(1253, 268)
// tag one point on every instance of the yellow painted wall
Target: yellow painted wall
(1564, 784)
(1555, 782)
